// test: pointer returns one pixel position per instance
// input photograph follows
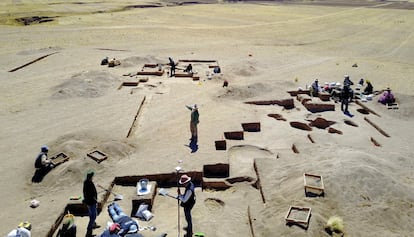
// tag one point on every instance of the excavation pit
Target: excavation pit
(319, 107)
(183, 75)
(128, 83)
(350, 123)
(375, 142)
(298, 216)
(216, 171)
(313, 185)
(286, 103)
(295, 93)
(333, 130)
(151, 69)
(97, 156)
(295, 149)
(277, 117)
(300, 125)
(251, 127)
(146, 199)
(321, 123)
(221, 145)
(363, 111)
(310, 138)
(237, 135)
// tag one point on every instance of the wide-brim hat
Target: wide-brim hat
(184, 179)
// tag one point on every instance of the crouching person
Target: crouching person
(42, 165)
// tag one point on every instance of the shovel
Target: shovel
(117, 197)
(153, 228)
(164, 192)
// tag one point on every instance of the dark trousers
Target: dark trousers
(187, 213)
(92, 211)
(344, 103)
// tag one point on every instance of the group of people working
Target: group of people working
(345, 94)
(122, 224)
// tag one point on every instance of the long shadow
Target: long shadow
(40, 174)
(193, 145)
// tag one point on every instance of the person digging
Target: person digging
(187, 201)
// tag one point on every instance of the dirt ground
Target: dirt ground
(70, 102)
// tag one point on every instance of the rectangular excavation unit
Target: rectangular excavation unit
(299, 216)
(313, 185)
(97, 156)
(216, 171)
(221, 145)
(128, 83)
(151, 69)
(237, 135)
(251, 127)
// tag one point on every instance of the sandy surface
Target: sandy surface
(72, 103)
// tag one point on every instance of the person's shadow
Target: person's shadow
(193, 145)
(40, 174)
(347, 113)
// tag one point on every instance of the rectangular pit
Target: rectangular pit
(237, 135)
(147, 198)
(299, 216)
(313, 185)
(221, 145)
(216, 171)
(295, 93)
(251, 127)
(97, 156)
(183, 75)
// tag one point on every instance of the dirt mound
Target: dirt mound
(140, 61)
(77, 146)
(86, 84)
(245, 69)
(244, 92)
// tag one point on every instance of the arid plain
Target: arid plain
(74, 105)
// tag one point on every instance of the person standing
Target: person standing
(172, 68)
(194, 122)
(90, 198)
(345, 97)
(187, 200)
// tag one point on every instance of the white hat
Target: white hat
(184, 179)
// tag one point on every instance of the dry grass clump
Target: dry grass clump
(335, 226)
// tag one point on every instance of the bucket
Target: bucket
(144, 185)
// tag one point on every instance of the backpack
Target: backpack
(38, 162)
